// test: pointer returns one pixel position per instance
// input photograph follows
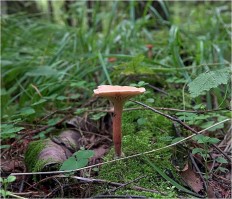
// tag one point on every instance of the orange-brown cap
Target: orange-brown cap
(118, 93)
(112, 59)
(149, 46)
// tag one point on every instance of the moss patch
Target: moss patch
(31, 156)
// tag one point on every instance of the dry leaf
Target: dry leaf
(192, 179)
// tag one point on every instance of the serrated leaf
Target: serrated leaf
(208, 80)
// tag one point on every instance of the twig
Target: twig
(123, 185)
(114, 183)
(157, 89)
(119, 159)
(181, 123)
(198, 170)
(160, 108)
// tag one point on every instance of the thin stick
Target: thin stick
(181, 123)
(160, 108)
(198, 170)
(93, 180)
(119, 159)
(123, 185)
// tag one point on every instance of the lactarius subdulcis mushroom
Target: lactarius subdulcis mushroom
(118, 96)
(149, 52)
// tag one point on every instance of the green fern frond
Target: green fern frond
(208, 80)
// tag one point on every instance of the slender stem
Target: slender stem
(117, 128)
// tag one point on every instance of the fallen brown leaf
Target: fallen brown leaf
(192, 179)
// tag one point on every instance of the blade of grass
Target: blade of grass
(104, 68)
(174, 31)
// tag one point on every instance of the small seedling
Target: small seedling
(5, 183)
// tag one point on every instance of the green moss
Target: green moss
(31, 156)
(143, 130)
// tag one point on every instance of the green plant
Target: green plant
(78, 160)
(204, 152)
(5, 183)
(208, 80)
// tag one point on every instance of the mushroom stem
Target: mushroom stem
(117, 130)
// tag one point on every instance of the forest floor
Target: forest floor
(168, 170)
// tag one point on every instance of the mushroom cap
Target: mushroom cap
(149, 46)
(118, 93)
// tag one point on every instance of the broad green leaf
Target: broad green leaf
(208, 80)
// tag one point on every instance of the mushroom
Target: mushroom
(112, 59)
(117, 95)
(149, 53)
